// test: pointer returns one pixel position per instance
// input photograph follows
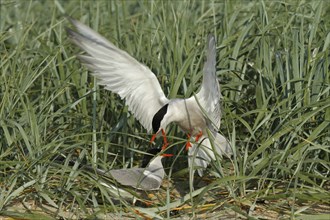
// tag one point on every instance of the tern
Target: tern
(147, 177)
(199, 116)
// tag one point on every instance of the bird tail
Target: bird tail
(202, 153)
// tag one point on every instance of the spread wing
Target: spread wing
(120, 73)
(136, 178)
(209, 94)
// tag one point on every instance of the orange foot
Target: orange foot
(188, 144)
(198, 136)
(165, 143)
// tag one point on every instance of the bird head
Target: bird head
(151, 154)
(160, 119)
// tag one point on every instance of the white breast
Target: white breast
(188, 115)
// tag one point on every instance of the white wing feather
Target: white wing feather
(201, 153)
(209, 94)
(136, 178)
(120, 73)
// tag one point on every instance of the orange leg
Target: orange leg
(153, 138)
(188, 144)
(198, 136)
(165, 143)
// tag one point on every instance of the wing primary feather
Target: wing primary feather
(209, 94)
(119, 73)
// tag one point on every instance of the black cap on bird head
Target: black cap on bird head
(151, 153)
(158, 117)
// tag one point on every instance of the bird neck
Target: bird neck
(156, 162)
(156, 168)
(177, 110)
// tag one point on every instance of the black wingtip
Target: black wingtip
(73, 35)
(69, 31)
(73, 21)
(210, 35)
(70, 19)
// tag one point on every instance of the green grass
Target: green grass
(273, 64)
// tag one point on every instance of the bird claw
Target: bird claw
(164, 139)
(188, 145)
(164, 146)
(153, 138)
(198, 136)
